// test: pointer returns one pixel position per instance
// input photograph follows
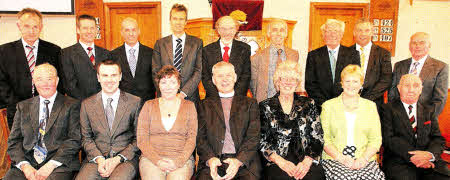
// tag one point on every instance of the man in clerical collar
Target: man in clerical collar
(228, 133)
(45, 136)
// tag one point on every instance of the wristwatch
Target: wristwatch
(122, 159)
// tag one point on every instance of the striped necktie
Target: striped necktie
(31, 64)
(91, 55)
(132, 62)
(412, 120)
(178, 55)
(414, 69)
(40, 151)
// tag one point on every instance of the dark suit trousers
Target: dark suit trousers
(17, 174)
(243, 173)
(394, 171)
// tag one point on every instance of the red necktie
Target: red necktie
(225, 56)
(91, 55)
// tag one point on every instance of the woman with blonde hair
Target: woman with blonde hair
(352, 132)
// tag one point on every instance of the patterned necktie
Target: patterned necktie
(279, 52)
(362, 57)
(412, 120)
(109, 112)
(178, 55)
(132, 62)
(332, 62)
(91, 55)
(225, 56)
(40, 151)
(414, 69)
(31, 63)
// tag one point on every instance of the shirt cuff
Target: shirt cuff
(93, 160)
(123, 157)
(185, 95)
(56, 163)
(432, 157)
(21, 163)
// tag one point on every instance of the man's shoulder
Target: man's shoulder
(7, 46)
(318, 50)
(132, 98)
(49, 45)
(71, 48)
(101, 49)
(437, 62)
(194, 39)
(241, 44)
(119, 49)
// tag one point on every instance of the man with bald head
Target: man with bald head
(135, 60)
(411, 137)
(324, 64)
(229, 50)
(434, 73)
(45, 136)
(19, 58)
(264, 63)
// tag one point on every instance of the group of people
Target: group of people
(135, 111)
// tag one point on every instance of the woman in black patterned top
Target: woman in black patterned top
(291, 133)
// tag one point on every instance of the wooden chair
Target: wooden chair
(4, 133)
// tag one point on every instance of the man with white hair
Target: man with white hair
(135, 60)
(228, 131)
(264, 63)
(229, 50)
(412, 140)
(324, 65)
(45, 136)
(434, 73)
(19, 58)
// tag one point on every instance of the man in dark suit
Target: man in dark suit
(229, 50)
(108, 128)
(135, 60)
(432, 72)
(45, 136)
(19, 58)
(324, 65)
(375, 63)
(228, 133)
(412, 141)
(78, 61)
(182, 51)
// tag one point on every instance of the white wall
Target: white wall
(428, 16)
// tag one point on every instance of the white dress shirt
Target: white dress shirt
(336, 52)
(85, 46)
(222, 45)
(136, 51)
(367, 49)
(174, 43)
(420, 66)
(226, 95)
(35, 50)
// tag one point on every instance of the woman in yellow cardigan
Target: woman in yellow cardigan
(352, 132)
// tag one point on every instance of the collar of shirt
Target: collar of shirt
(115, 98)
(35, 50)
(421, 63)
(85, 46)
(336, 51)
(174, 42)
(135, 47)
(414, 110)
(42, 105)
(222, 45)
(226, 95)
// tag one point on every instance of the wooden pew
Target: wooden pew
(4, 133)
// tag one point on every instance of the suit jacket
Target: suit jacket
(62, 133)
(378, 76)
(80, 76)
(239, 57)
(434, 75)
(260, 63)
(318, 77)
(191, 65)
(244, 129)
(141, 84)
(367, 128)
(398, 137)
(97, 139)
(15, 76)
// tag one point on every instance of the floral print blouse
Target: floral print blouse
(300, 130)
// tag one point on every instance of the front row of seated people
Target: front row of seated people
(230, 132)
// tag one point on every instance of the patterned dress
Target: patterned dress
(298, 132)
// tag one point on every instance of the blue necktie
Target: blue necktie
(332, 63)
(178, 55)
